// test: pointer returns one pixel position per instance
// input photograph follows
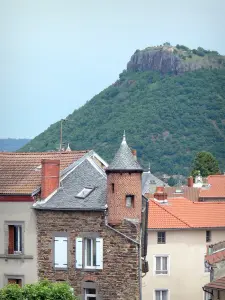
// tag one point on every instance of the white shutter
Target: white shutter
(99, 253)
(60, 254)
(79, 251)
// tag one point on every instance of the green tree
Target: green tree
(37, 291)
(206, 163)
(171, 181)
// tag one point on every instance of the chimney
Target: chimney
(134, 152)
(160, 193)
(190, 181)
(49, 176)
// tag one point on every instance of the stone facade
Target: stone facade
(119, 278)
(123, 184)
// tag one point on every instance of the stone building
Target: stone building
(91, 225)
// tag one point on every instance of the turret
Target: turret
(124, 192)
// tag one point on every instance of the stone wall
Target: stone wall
(119, 279)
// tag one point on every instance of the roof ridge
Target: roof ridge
(171, 213)
(41, 153)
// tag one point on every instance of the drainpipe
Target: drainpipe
(139, 252)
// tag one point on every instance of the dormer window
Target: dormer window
(129, 200)
(84, 193)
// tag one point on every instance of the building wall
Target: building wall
(24, 267)
(118, 280)
(186, 250)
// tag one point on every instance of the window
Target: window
(84, 193)
(207, 267)
(14, 239)
(161, 295)
(161, 237)
(89, 253)
(161, 265)
(208, 236)
(15, 281)
(208, 296)
(90, 294)
(60, 252)
(130, 201)
(113, 188)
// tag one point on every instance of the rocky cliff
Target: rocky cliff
(176, 60)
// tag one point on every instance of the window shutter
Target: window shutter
(61, 254)
(79, 251)
(99, 253)
(11, 239)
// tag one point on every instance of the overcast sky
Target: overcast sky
(57, 54)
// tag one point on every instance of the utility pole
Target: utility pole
(61, 125)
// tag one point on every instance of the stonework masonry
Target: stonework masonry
(119, 278)
(123, 184)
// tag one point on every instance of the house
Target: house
(179, 231)
(21, 176)
(215, 258)
(91, 227)
(213, 189)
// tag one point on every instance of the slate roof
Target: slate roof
(216, 188)
(20, 173)
(150, 182)
(183, 213)
(124, 159)
(218, 284)
(87, 174)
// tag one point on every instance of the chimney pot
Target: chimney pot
(190, 181)
(49, 176)
(160, 193)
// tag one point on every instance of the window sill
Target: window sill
(89, 269)
(16, 256)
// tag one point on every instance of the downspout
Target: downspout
(139, 252)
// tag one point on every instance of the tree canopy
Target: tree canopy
(206, 164)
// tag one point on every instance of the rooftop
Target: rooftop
(180, 213)
(218, 284)
(124, 160)
(216, 187)
(20, 173)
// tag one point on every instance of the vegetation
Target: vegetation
(167, 118)
(38, 291)
(206, 164)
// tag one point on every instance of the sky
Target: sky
(57, 54)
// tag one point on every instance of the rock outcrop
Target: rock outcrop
(170, 60)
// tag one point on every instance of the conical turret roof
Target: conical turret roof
(124, 160)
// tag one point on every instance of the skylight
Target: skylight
(84, 193)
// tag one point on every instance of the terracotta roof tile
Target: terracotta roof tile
(190, 193)
(216, 189)
(187, 214)
(218, 284)
(20, 173)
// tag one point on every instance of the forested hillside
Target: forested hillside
(168, 115)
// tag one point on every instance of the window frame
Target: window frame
(85, 246)
(131, 199)
(7, 277)
(161, 290)
(168, 265)
(22, 237)
(158, 237)
(90, 285)
(208, 236)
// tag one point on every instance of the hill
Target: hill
(171, 102)
(12, 145)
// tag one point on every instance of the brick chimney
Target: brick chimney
(134, 152)
(190, 181)
(160, 193)
(49, 176)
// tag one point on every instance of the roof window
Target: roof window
(84, 193)
(178, 191)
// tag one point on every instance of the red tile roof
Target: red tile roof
(20, 173)
(218, 284)
(183, 213)
(216, 189)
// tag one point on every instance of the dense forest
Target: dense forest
(168, 118)
(12, 145)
